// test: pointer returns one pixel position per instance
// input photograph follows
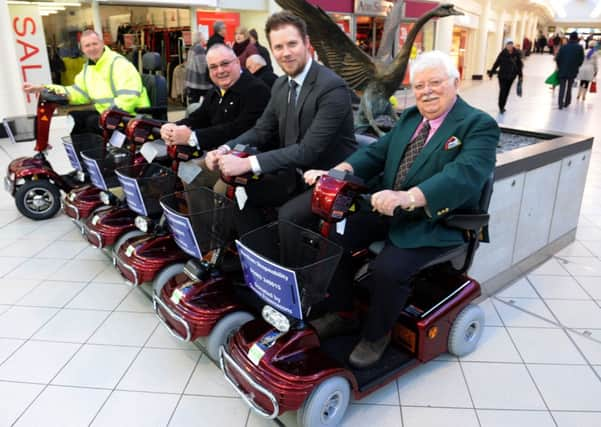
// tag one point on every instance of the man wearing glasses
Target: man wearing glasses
(308, 119)
(436, 159)
(227, 111)
(231, 108)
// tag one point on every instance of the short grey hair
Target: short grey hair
(218, 26)
(257, 59)
(433, 59)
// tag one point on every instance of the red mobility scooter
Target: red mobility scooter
(32, 181)
(279, 364)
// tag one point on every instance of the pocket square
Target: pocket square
(451, 143)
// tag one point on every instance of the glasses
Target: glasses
(222, 64)
(432, 84)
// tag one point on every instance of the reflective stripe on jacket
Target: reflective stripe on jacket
(111, 81)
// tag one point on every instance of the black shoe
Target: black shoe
(331, 325)
(366, 353)
(502, 110)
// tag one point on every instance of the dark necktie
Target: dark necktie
(411, 152)
(291, 121)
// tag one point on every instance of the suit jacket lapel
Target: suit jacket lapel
(444, 132)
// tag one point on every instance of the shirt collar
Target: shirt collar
(435, 123)
(300, 78)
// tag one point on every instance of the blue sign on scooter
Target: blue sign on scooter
(95, 173)
(133, 196)
(183, 234)
(275, 284)
(72, 155)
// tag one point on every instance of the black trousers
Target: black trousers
(565, 92)
(264, 196)
(504, 88)
(86, 121)
(390, 272)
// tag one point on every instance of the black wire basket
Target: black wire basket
(20, 128)
(144, 185)
(75, 144)
(101, 164)
(200, 219)
(311, 256)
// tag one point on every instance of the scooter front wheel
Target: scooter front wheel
(38, 200)
(326, 405)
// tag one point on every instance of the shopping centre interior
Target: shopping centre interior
(81, 346)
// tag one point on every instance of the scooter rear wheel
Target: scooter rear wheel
(38, 200)
(466, 331)
(326, 405)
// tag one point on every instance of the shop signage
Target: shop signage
(28, 32)
(372, 7)
(206, 19)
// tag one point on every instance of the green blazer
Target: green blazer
(451, 171)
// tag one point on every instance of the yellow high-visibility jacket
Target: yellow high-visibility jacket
(111, 81)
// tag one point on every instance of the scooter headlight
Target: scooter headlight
(72, 197)
(105, 197)
(142, 224)
(12, 176)
(275, 319)
(81, 177)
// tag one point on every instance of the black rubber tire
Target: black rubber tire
(44, 191)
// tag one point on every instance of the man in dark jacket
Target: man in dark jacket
(257, 65)
(218, 36)
(569, 59)
(509, 63)
(227, 111)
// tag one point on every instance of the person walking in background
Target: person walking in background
(243, 47)
(588, 70)
(218, 36)
(568, 59)
(509, 62)
(254, 39)
(556, 43)
(197, 81)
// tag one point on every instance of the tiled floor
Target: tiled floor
(78, 347)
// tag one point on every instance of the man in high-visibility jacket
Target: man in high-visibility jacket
(106, 80)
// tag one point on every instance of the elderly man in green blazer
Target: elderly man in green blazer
(435, 160)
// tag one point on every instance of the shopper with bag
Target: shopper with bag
(509, 62)
(588, 72)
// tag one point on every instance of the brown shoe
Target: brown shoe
(366, 353)
(331, 325)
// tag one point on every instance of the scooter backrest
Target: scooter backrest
(156, 87)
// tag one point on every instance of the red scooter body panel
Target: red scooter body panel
(202, 305)
(104, 228)
(290, 369)
(28, 167)
(80, 202)
(152, 253)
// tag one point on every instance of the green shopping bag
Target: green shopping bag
(553, 80)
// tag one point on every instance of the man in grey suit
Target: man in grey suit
(307, 124)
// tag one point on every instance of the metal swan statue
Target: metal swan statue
(377, 79)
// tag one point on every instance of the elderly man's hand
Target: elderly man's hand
(233, 165)
(212, 159)
(312, 175)
(176, 135)
(386, 201)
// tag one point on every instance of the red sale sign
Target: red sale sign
(32, 57)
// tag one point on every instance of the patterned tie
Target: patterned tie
(411, 152)
(291, 122)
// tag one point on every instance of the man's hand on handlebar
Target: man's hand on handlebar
(312, 175)
(32, 88)
(386, 201)
(234, 166)
(213, 156)
(173, 134)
